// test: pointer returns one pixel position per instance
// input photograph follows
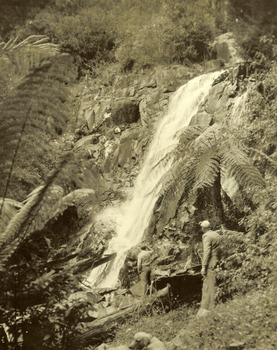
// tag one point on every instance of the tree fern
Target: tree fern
(18, 228)
(31, 119)
(201, 159)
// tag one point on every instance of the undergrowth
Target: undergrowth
(250, 320)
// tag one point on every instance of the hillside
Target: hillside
(125, 122)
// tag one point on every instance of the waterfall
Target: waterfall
(131, 218)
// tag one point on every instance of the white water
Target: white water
(131, 218)
(228, 182)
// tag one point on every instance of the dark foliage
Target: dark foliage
(33, 119)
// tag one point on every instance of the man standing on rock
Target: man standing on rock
(144, 266)
(211, 240)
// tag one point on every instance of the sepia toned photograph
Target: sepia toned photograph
(138, 174)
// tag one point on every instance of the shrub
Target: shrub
(84, 35)
(250, 320)
(244, 265)
(165, 39)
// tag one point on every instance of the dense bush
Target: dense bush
(177, 34)
(254, 23)
(141, 32)
(84, 35)
(244, 265)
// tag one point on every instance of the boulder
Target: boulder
(226, 48)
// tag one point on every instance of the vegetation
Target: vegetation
(40, 175)
(139, 33)
(246, 321)
(33, 117)
(142, 33)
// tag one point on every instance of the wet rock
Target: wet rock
(203, 119)
(202, 313)
(214, 64)
(78, 296)
(213, 100)
(145, 341)
(102, 347)
(128, 144)
(141, 339)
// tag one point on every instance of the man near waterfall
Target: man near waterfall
(211, 241)
(144, 266)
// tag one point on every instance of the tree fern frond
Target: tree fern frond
(53, 195)
(18, 228)
(51, 204)
(208, 165)
(182, 174)
(162, 157)
(37, 99)
(231, 154)
(270, 161)
(73, 198)
(247, 175)
(186, 137)
(10, 208)
(210, 137)
(27, 54)
(240, 167)
(189, 133)
(50, 207)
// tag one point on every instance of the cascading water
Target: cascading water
(132, 217)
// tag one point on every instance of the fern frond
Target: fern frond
(74, 198)
(52, 206)
(10, 208)
(210, 137)
(270, 161)
(186, 136)
(240, 167)
(36, 109)
(28, 53)
(208, 166)
(18, 228)
(181, 175)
